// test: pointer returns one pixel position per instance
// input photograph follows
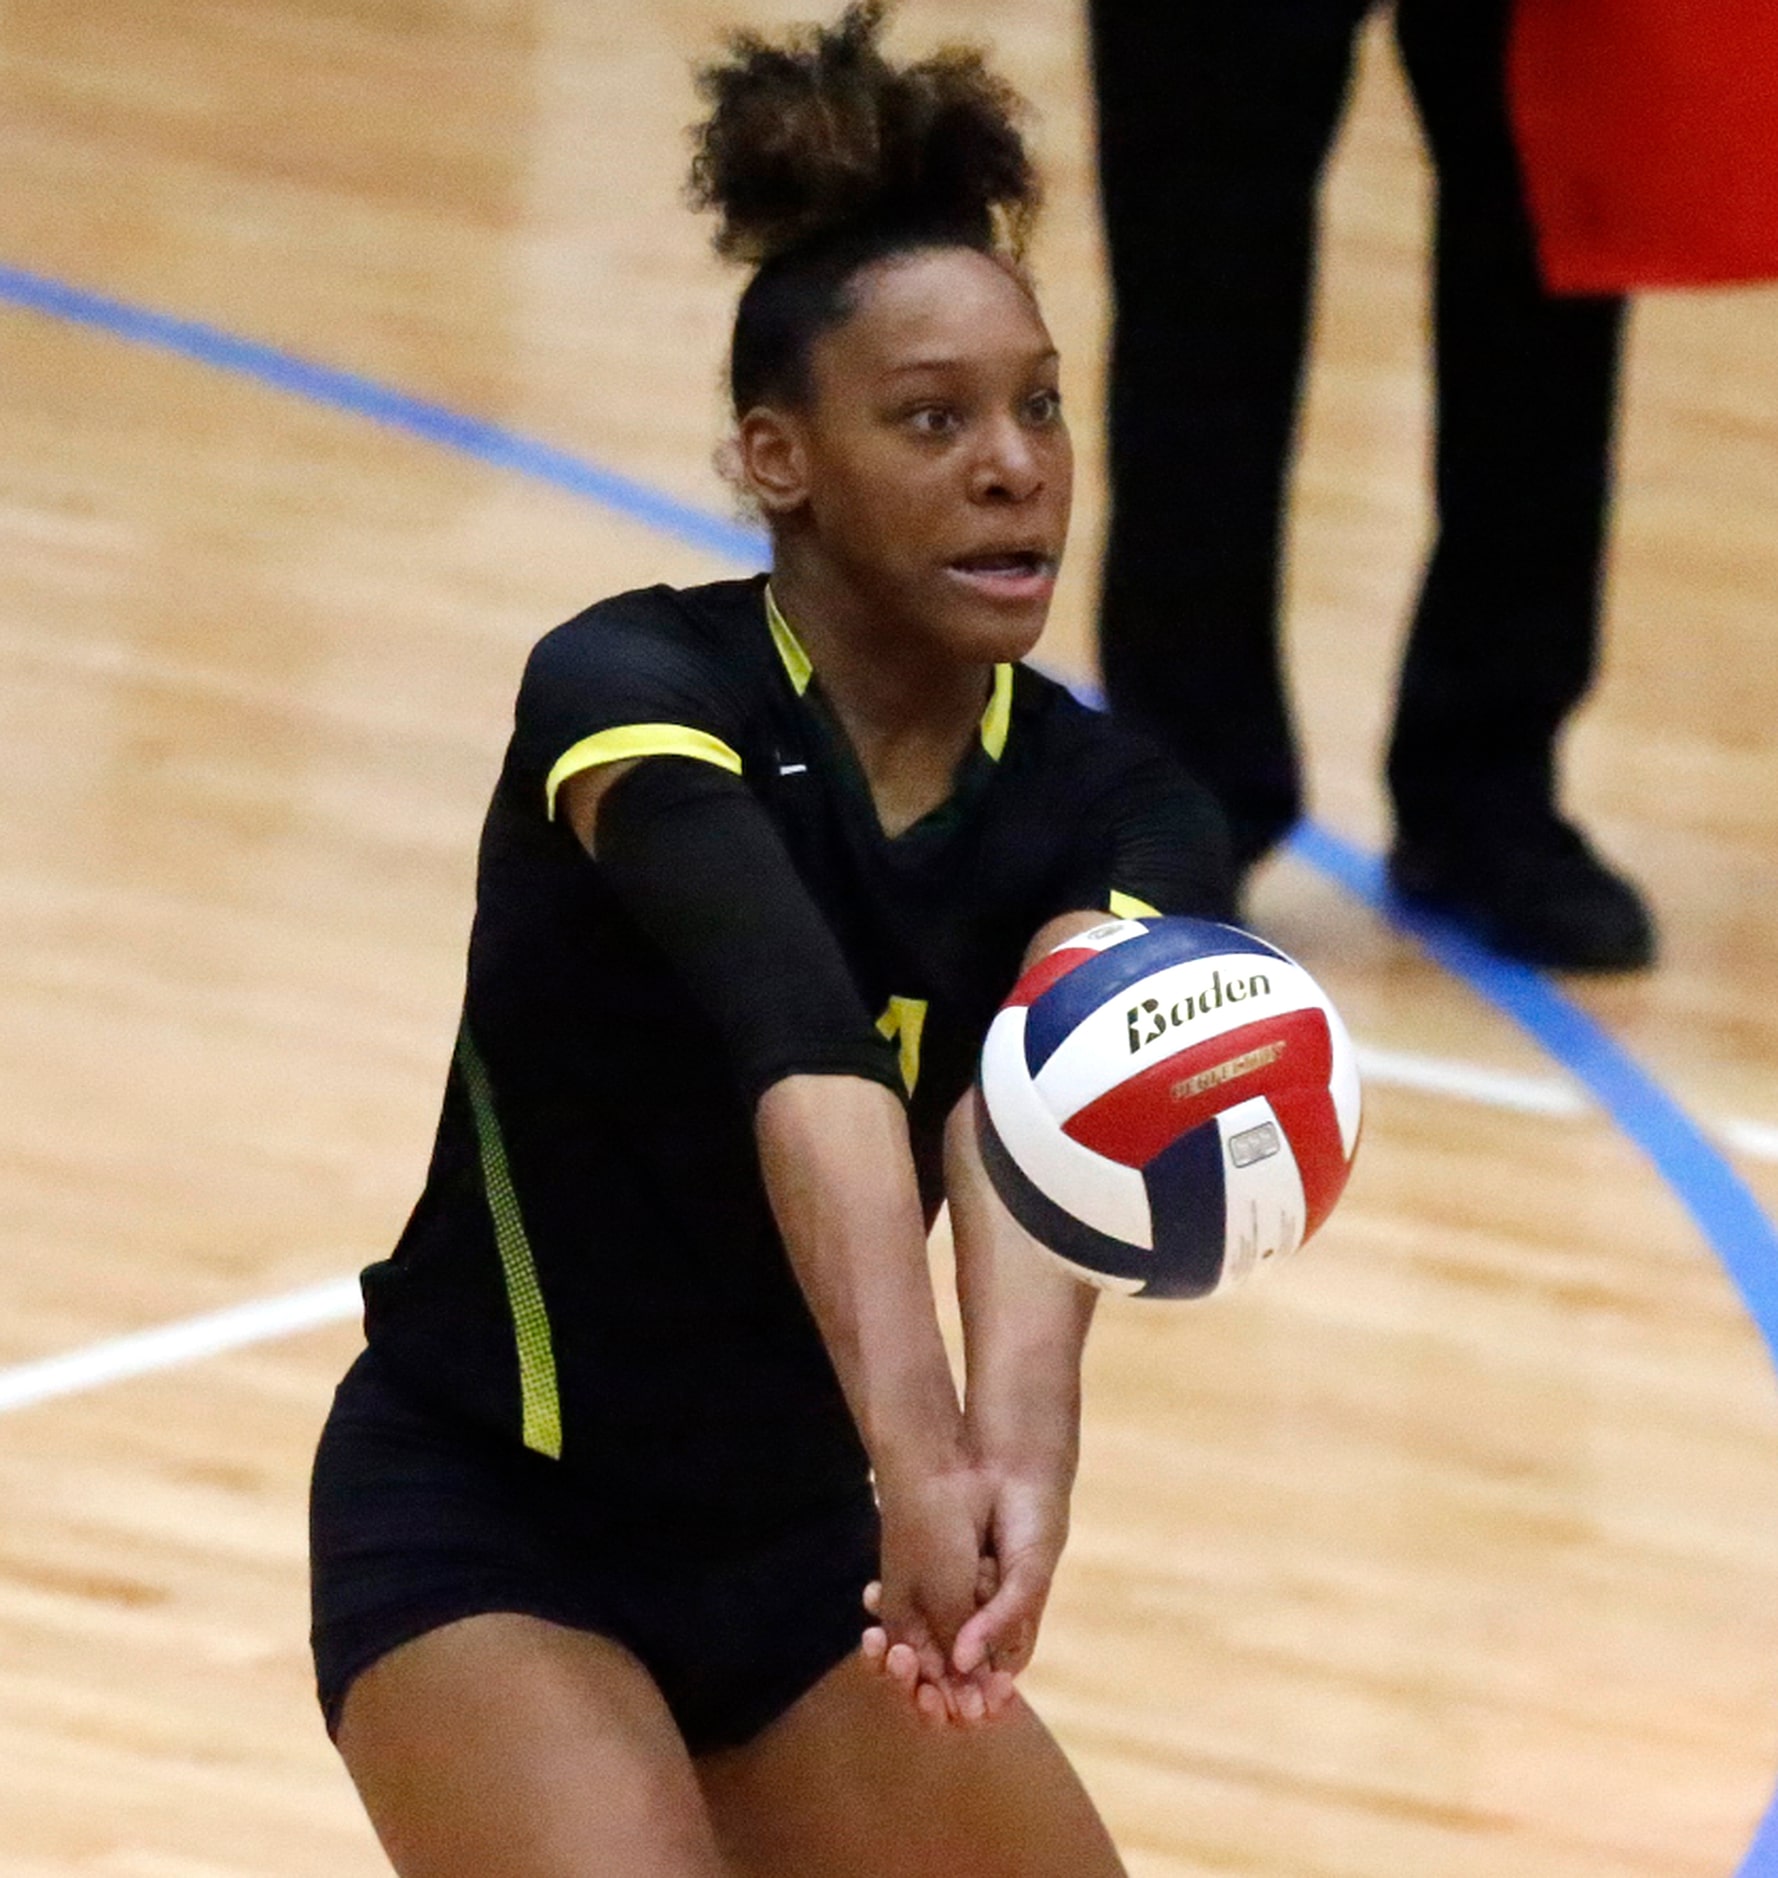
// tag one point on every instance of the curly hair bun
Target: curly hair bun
(818, 136)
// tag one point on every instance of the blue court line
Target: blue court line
(1702, 1179)
(1726, 1212)
(1718, 1199)
(363, 397)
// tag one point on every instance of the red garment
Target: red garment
(1648, 131)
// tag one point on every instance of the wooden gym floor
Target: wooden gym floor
(1451, 1551)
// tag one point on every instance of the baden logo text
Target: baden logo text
(1150, 1021)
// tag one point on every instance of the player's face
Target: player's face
(939, 468)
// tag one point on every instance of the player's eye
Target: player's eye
(1043, 407)
(934, 420)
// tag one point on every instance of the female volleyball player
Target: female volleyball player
(594, 1513)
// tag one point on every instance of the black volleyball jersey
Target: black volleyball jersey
(593, 1267)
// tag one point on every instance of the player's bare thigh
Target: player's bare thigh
(849, 1784)
(506, 1747)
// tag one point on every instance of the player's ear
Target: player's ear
(774, 460)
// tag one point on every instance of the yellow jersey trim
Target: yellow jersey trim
(540, 1407)
(625, 742)
(997, 718)
(790, 648)
(1127, 906)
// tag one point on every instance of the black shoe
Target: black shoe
(1538, 894)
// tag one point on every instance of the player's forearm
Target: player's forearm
(1023, 1408)
(1025, 1320)
(840, 1176)
(1025, 1323)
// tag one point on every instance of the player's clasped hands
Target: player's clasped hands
(967, 1563)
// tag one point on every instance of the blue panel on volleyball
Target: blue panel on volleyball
(1045, 1221)
(1078, 993)
(1188, 1202)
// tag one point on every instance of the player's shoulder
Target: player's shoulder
(1077, 753)
(716, 624)
(1060, 725)
(691, 657)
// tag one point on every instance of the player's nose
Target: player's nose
(1010, 465)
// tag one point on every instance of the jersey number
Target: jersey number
(902, 1021)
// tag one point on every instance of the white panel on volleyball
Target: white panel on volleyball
(1109, 1198)
(1097, 1055)
(1264, 1202)
(1102, 938)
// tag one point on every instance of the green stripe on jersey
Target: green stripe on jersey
(539, 1401)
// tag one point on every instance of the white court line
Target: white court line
(1529, 1095)
(1471, 1082)
(1759, 1140)
(337, 1299)
(184, 1342)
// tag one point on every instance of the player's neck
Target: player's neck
(909, 714)
(874, 672)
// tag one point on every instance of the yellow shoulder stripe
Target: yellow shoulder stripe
(627, 741)
(1127, 906)
(997, 718)
(790, 650)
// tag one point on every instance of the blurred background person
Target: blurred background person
(1215, 122)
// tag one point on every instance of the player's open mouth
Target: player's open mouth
(1017, 574)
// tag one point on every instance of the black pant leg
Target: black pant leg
(1215, 118)
(1504, 639)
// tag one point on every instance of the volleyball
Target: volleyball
(1166, 1104)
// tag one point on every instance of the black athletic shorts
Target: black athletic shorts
(417, 1519)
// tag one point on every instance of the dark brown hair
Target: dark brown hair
(820, 157)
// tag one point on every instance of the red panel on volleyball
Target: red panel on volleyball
(1312, 1127)
(1046, 971)
(1135, 1121)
